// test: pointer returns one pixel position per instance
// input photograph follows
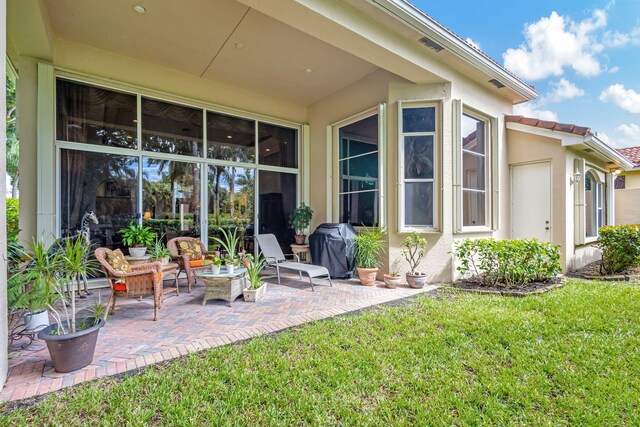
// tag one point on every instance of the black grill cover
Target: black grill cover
(333, 246)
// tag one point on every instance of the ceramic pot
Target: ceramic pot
(230, 268)
(416, 281)
(367, 276)
(392, 282)
(215, 269)
(137, 252)
(253, 295)
(300, 239)
(36, 321)
(71, 352)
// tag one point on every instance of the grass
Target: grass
(570, 357)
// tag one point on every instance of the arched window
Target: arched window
(593, 190)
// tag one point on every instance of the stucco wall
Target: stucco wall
(631, 179)
(628, 206)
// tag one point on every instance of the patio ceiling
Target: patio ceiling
(221, 40)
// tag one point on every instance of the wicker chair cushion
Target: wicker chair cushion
(190, 247)
(196, 263)
(120, 286)
(117, 260)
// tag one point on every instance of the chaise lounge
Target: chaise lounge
(272, 252)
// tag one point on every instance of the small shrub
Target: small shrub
(620, 246)
(13, 213)
(507, 263)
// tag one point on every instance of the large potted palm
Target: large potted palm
(369, 246)
(71, 342)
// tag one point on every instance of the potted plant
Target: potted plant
(300, 220)
(159, 252)
(36, 281)
(414, 249)
(369, 245)
(231, 265)
(257, 287)
(229, 242)
(216, 264)
(393, 280)
(137, 238)
(72, 342)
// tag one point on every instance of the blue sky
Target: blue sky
(582, 56)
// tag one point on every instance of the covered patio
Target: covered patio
(132, 340)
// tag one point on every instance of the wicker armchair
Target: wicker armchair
(140, 280)
(183, 260)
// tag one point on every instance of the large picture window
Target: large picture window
(417, 166)
(358, 166)
(593, 197)
(474, 171)
(183, 170)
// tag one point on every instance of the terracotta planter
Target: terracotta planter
(367, 276)
(71, 352)
(392, 282)
(300, 239)
(253, 295)
(416, 281)
(137, 252)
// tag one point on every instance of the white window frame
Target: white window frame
(600, 195)
(436, 180)
(204, 162)
(335, 177)
(491, 167)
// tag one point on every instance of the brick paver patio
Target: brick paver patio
(132, 340)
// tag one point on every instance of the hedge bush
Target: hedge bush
(507, 263)
(620, 246)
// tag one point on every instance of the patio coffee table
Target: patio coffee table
(223, 286)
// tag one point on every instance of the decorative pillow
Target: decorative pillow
(120, 286)
(196, 262)
(117, 261)
(190, 247)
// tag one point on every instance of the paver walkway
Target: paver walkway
(131, 339)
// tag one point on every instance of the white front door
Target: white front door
(531, 201)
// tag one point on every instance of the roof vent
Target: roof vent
(496, 83)
(431, 44)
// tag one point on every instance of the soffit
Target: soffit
(200, 37)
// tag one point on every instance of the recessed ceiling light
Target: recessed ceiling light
(267, 149)
(135, 120)
(239, 46)
(308, 71)
(139, 9)
(229, 137)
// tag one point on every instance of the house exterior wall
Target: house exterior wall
(631, 179)
(628, 206)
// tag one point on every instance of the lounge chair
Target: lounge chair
(272, 252)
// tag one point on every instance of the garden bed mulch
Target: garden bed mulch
(592, 272)
(532, 288)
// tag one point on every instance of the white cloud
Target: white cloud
(614, 69)
(530, 109)
(627, 99)
(555, 42)
(618, 39)
(629, 134)
(473, 44)
(562, 90)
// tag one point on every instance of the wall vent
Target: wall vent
(496, 83)
(431, 44)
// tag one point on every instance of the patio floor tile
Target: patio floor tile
(132, 340)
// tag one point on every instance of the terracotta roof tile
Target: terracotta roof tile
(544, 124)
(631, 153)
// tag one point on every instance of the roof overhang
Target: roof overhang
(595, 145)
(423, 23)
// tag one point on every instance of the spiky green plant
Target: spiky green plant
(230, 241)
(370, 245)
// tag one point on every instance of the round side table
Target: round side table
(303, 252)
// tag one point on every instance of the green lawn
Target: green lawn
(571, 357)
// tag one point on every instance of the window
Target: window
(474, 171)
(358, 166)
(170, 128)
(278, 146)
(593, 190)
(231, 138)
(277, 198)
(417, 166)
(93, 115)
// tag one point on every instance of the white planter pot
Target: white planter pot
(230, 268)
(34, 322)
(253, 295)
(165, 260)
(215, 269)
(137, 252)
